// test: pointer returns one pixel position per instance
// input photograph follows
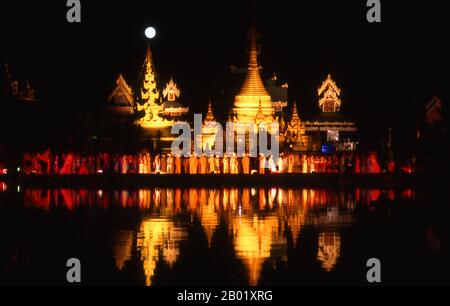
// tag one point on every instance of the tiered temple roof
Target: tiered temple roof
(171, 107)
(158, 113)
(122, 93)
(330, 103)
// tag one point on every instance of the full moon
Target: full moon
(150, 32)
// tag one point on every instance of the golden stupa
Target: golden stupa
(253, 100)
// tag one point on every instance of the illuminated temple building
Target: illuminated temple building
(330, 127)
(256, 104)
(156, 110)
(253, 104)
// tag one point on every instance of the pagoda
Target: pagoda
(210, 129)
(329, 93)
(156, 113)
(150, 101)
(294, 131)
(330, 127)
(253, 103)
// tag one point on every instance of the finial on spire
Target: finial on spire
(253, 85)
(294, 109)
(148, 53)
(253, 36)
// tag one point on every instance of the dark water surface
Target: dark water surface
(230, 236)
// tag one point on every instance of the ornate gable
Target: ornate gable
(122, 94)
(171, 92)
(329, 93)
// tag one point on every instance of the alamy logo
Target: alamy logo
(374, 273)
(74, 13)
(374, 13)
(240, 138)
(73, 275)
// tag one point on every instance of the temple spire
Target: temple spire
(253, 36)
(149, 90)
(295, 117)
(150, 98)
(253, 103)
(295, 128)
(210, 115)
(253, 85)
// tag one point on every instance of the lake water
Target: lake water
(226, 236)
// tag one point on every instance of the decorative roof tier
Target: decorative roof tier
(150, 98)
(330, 101)
(171, 92)
(171, 106)
(149, 90)
(330, 104)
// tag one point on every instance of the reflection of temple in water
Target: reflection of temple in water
(159, 238)
(254, 240)
(208, 215)
(263, 222)
(122, 247)
(329, 249)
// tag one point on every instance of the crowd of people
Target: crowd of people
(166, 163)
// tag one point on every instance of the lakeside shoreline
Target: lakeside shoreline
(133, 181)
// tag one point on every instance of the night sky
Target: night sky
(386, 72)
